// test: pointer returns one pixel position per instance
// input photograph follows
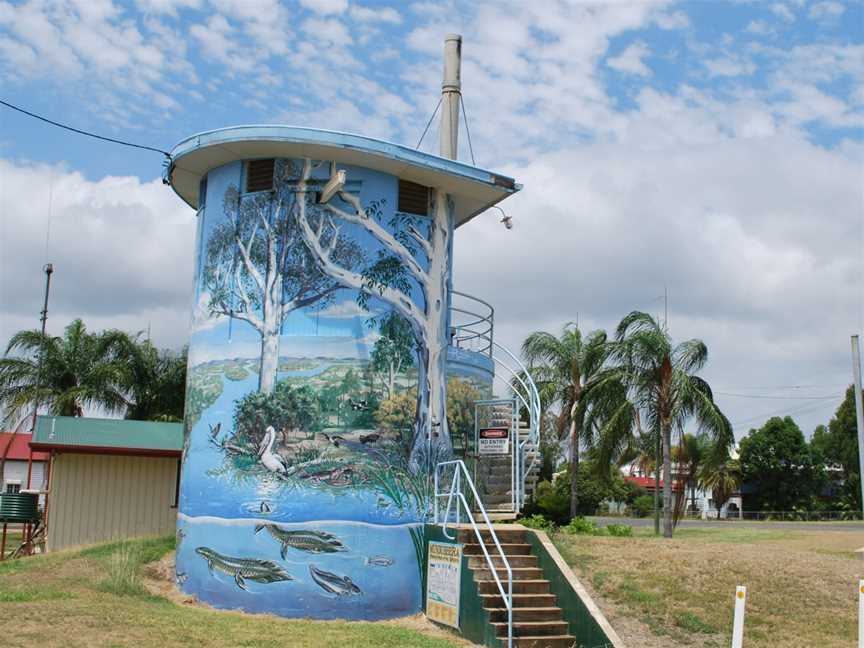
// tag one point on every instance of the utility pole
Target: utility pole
(859, 412)
(48, 269)
(451, 91)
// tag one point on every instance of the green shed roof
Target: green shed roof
(108, 436)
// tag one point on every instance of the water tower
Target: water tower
(325, 332)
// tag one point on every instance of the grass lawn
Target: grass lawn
(801, 585)
(95, 597)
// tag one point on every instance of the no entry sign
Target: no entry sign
(494, 441)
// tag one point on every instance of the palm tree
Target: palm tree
(662, 387)
(155, 379)
(722, 478)
(562, 366)
(689, 456)
(77, 370)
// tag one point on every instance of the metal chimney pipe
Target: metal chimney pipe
(451, 91)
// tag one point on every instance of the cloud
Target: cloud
(630, 60)
(730, 67)
(325, 7)
(121, 249)
(826, 11)
(782, 11)
(347, 309)
(380, 15)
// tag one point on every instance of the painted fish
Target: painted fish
(379, 561)
(264, 509)
(304, 540)
(330, 582)
(181, 577)
(243, 569)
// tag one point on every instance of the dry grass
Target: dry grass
(802, 585)
(66, 600)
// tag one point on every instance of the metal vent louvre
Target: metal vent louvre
(259, 175)
(413, 198)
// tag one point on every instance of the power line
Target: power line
(83, 132)
(765, 397)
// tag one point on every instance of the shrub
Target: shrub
(581, 526)
(537, 521)
(643, 505)
(619, 530)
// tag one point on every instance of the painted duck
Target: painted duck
(269, 459)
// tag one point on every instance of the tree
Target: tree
(722, 477)
(257, 268)
(390, 278)
(778, 464)
(662, 389)
(838, 446)
(394, 350)
(689, 457)
(562, 366)
(156, 380)
(78, 370)
(396, 413)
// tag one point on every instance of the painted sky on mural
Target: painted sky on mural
(714, 148)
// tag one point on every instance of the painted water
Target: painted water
(385, 585)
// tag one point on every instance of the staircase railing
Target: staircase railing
(529, 397)
(454, 494)
(472, 321)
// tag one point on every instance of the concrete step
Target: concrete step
(479, 562)
(532, 586)
(509, 549)
(505, 534)
(519, 573)
(520, 601)
(543, 641)
(499, 615)
(533, 628)
(491, 499)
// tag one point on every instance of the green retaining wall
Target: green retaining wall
(582, 623)
(474, 622)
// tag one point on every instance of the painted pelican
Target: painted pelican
(270, 460)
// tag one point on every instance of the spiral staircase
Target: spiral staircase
(504, 481)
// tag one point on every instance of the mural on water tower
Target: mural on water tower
(317, 394)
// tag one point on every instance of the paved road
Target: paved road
(738, 524)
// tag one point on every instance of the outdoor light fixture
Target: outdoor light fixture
(333, 186)
(507, 220)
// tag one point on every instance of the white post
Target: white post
(451, 90)
(859, 412)
(861, 613)
(738, 623)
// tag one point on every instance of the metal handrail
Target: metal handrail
(532, 404)
(473, 324)
(456, 492)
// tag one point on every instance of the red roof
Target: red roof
(20, 450)
(648, 482)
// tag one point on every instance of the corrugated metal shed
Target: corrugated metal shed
(108, 436)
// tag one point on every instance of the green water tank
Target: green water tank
(19, 507)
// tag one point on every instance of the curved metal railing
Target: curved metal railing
(472, 323)
(529, 397)
(454, 493)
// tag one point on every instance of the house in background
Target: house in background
(108, 478)
(14, 474)
(698, 503)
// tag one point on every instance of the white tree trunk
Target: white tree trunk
(272, 322)
(434, 435)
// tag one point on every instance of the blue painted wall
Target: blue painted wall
(298, 496)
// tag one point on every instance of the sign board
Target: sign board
(494, 441)
(443, 578)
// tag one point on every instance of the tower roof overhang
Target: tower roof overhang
(473, 190)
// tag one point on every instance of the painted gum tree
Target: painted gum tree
(389, 279)
(257, 269)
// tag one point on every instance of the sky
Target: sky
(711, 151)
